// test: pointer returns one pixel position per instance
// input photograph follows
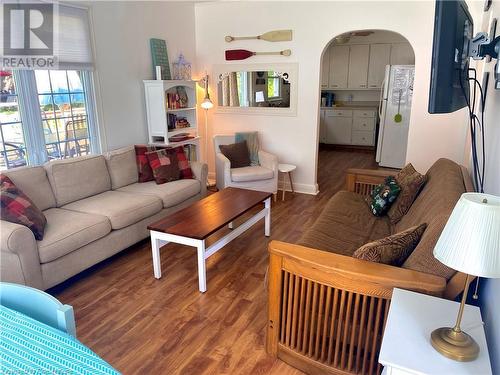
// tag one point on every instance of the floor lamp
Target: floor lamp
(206, 104)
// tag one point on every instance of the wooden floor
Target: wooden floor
(141, 325)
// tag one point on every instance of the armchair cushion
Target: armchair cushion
(246, 174)
(252, 139)
(237, 153)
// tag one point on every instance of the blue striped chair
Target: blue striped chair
(38, 305)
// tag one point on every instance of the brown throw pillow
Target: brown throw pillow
(237, 153)
(164, 164)
(18, 208)
(411, 183)
(394, 249)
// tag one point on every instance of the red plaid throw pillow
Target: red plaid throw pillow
(164, 165)
(144, 169)
(16, 207)
(184, 167)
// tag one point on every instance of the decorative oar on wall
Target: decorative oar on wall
(242, 54)
(271, 36)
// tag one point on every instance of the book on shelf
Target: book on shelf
(177, 122)
(176, 98)
(190, 151)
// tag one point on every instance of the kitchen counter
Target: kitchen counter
(352, 107)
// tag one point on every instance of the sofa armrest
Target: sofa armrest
(20, 261)
(222, 171)
(200, 171)
(268, 161)
(332, 307)
(362, 181)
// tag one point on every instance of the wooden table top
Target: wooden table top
(206, 216)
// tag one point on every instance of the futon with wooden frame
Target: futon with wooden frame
(327, 310)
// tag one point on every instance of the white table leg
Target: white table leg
(155, 248)
(267, 219)
(230, 225)
(202, 272)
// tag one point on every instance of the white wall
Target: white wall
(314, 24)
(123, 59)
(490, 289)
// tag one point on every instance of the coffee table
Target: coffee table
(194, 224)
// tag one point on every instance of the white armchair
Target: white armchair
(263, 177)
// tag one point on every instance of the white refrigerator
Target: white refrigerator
(394, 112)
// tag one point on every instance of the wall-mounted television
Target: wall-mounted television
(453, 25)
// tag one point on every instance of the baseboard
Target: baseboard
(299, 188)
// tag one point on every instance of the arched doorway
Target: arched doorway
(365, 106)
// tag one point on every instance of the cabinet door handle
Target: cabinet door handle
(373, 85)
(335, 85)
(362, 85)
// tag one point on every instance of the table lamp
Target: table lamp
(469, 243)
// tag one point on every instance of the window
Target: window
(273, 85)
(13, 150)
(50, 114)
(242, 83)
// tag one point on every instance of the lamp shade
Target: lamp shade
(470, 241)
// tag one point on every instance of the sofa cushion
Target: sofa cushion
(122, 209)
(34, 183)
(256, 173)
(67, 231)
(392, 250)
(77, 178)
(171, 193)
(411, 183)
(122, 167)
(344, 225)
(18, 208)
(422, 258)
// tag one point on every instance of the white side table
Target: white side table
(406, 346)
(287, 169)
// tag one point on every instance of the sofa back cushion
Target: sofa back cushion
(78, 178)
(434, 204)
(122, 167)
(34, 183)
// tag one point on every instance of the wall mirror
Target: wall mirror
(256, 88)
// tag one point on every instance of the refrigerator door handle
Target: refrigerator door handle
(381, 99)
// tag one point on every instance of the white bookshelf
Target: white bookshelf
(157, 112)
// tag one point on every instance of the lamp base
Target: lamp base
(458, 346)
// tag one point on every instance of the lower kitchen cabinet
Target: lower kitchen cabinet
(348, 126)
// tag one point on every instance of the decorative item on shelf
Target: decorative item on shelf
(183, 97)
(182, 68)
(270, 36)
(242, 54)
(160, 57)
(180, 137)
(469, 243)
(181, 123)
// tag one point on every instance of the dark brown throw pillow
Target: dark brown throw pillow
(237, 153)
(410, 182)
(164, 164)
(394, 249)
(18, 208)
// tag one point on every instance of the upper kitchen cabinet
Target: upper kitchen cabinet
(358, 66)
(339, 67)
(380, 56)
(402, 54)
(325, 69)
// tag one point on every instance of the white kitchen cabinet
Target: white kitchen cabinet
(402, 54)
(380, 56)
(358, 66)
(325, 69)
(339, 67)
(338, 129)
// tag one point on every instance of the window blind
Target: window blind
(72, 40)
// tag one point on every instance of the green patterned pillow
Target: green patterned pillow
(383, 196)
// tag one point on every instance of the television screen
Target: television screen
(449, 89)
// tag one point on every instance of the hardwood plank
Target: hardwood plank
(141, 325)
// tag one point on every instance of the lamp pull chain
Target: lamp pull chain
(475, 295)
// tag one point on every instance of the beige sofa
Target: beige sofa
(94, 207)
